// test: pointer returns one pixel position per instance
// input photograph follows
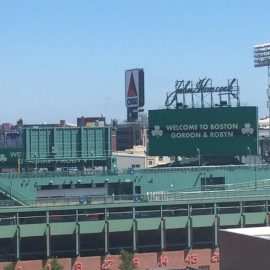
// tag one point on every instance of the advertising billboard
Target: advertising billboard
(134, 88)
(220, 131)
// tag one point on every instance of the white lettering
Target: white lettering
(204, 126)
(185, 135)
(224, 126)
(15, 154)
(182, 127)
(132, 101)
(225, 134)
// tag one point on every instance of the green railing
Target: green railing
(135, 172)
(105, 213)
(262, 192)
(31, 175)
(249, 189)
(13, 194)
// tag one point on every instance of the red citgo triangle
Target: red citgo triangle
(132, 92)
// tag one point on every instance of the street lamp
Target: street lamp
(35, 155)
(249, 153)
(255, 173)
(199, 156)
(151, 181)
(172, 187)
(92, 160)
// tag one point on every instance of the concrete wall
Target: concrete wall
(126, 161)
(238, 251)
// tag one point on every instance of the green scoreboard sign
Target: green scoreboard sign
(218, 131)
(9, 156)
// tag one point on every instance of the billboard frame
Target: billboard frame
(221, 131)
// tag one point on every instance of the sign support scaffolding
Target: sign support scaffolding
(262, 59)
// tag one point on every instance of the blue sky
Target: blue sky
(64, 59)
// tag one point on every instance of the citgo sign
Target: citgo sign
(210, 131)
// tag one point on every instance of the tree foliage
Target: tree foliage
(55, 265)
(9, 267)
(126, 260)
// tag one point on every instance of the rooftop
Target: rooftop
(259, 232)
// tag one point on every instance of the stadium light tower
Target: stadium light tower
(262, 59)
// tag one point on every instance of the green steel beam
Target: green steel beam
(162, 234)
(242, 219)
(48, 232)
(48, 242)
(106, 232)
(77, 232)
(162, 230)
(216, 230)
(18, 238)
(267, 214)
(134, 231)
(216, 225)
(189, 228)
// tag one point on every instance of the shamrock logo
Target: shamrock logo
(3, 158)
(248, 130)
(157, 131)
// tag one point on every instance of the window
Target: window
(160, 158)
(213, 183)
(135, 166)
